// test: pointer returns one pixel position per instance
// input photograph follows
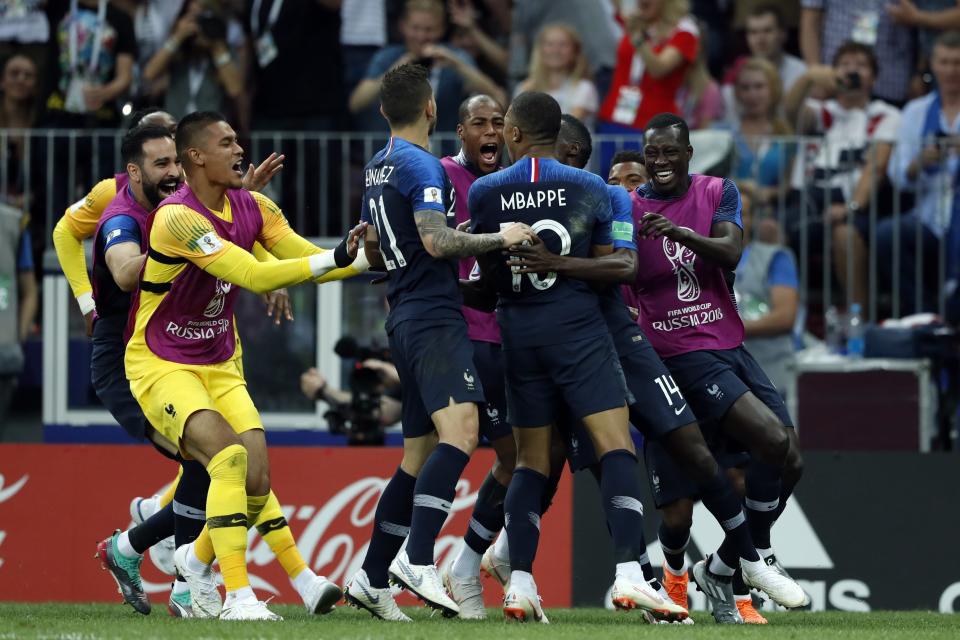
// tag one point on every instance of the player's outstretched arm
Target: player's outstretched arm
(441, 241)
(620, 266)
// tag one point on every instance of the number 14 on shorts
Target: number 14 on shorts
(669, 389)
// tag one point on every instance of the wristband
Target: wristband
(340, 255)
(321, 263)
(361, 264)
(85, 300)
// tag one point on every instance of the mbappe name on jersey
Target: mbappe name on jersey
(533, 199)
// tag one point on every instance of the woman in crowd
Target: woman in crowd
(659, 44)
(559, 67)
(700, 99)
(762, 162)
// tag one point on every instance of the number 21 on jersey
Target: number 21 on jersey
(392, 257)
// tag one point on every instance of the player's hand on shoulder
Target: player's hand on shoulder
(654, 225)
(256, 178)
(517, 233)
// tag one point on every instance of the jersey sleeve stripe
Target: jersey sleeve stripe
(164, 259)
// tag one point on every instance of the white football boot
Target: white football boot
(379, 602)
(424, 582)
(204, 595)
(467, 593)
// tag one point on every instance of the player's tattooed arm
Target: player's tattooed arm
(722, 247)
(620, 266)
(440, 241)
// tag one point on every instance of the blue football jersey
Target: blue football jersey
(570, 211)
(400, 179)
(624, 329)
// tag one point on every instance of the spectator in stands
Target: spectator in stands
(851, 162)
(761, 163)
(19, 107)
(18, 301)
(593, 21)
(297, 64)
(929, 17)
(700, 100)
(766, 38)
(153, 20)
(660, 44)
(485, 48)
(627, 170)
(826, 24)
(363, 32)
(559, 67)
(925, 161)
(767, 289)
(202, 73)
(453, 73)
(96, 65)
(25, 28)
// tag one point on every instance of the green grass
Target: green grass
(82, 622)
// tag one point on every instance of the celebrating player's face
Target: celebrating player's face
(666, 156)
(628, 175)
(482, 135)
(223, 155)
(160, 172)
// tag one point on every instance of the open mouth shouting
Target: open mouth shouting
(489, 154)
(168, 187)
(664, 176)
(238, 167)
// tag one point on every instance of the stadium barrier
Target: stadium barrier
(63, 499)
(852, 534)
(321, 187)
(849, 534)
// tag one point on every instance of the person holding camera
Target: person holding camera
(196, 58)
(314, 387)
(453, 74)
(850, 163)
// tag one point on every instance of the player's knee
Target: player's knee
(699, 463)
(228, 464)
(793, 469)
(776, 445)
(258, 482)
(677, 517)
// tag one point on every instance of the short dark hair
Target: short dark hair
(768, 9)
(537, 115)
(464, 111)
(948, 40)
(573, 130)
(668, 120)
(854, 47)
(403, 93)
(131, 148)
(626, 155)
(189, 128)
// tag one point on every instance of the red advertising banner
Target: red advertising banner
(58, 501)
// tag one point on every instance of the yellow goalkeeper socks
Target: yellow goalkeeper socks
(227, 514)
(273, 527)
(167, 496)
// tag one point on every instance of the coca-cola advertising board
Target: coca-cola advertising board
(57, 501)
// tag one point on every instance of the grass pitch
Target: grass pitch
(83, 622)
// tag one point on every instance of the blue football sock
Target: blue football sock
(673, 543)
(762, 501)
(436, 486)
(487, 518)
(391, 524)
(522, 507)
(620, 488)
(190, 502)
(723, 502)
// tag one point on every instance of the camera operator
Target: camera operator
(197, 61)
(345, 415)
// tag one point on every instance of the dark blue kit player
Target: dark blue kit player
(558, 349)
(411, 236)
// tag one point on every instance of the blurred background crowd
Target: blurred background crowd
(837, 118)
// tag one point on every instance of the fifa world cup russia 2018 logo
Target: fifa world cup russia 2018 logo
(216, 304)
(682, 259)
